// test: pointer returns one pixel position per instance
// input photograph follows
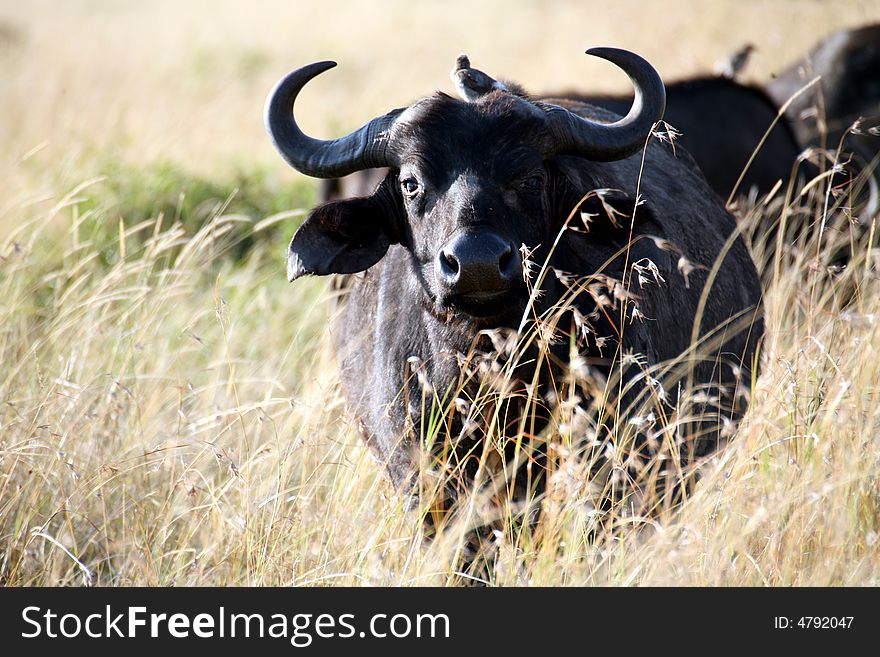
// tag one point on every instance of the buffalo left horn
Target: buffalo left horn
(575, 135)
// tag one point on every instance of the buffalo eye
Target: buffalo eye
(410, 186)
(532, 184)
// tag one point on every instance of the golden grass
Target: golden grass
(170, 416)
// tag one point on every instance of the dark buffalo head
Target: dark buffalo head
(847, 63)
(469, 184)
(846, 90)
(831, 99)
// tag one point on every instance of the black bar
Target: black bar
(505, 621)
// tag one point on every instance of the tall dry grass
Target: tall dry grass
(171, 415)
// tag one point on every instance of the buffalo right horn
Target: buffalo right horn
(366, 148)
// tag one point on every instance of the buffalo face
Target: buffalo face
(471, 190)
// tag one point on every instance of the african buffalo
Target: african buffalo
(505, 217)
(848, 66)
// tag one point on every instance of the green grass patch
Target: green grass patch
(265, 205)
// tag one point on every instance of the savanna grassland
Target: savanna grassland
(169, 405)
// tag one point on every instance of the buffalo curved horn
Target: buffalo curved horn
(366, 148)
(574, 135)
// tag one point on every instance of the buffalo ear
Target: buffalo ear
(342, 237)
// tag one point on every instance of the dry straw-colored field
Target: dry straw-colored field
(169, 411)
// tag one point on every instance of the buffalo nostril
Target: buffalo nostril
(505, 259)
(509, 264)
(449, 263)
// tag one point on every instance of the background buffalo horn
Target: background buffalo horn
(575, 135)
(365, 148)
